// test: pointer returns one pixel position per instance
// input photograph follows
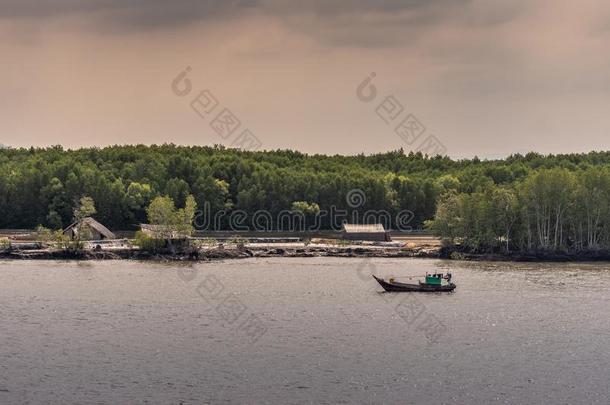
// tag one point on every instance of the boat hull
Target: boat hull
(404, 287)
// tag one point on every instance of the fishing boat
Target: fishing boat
(434, 282)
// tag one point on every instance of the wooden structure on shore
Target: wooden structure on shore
(88, 228)
(372, 232)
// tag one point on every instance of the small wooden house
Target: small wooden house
(88, 228)
(372, 232)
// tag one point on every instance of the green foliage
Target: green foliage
(448, 183)
(44, 234)
(5, 244)
(138, 195)
(237, 240)
(550, 209)
(54, 220)
(137, 198)
(64, 242)
(172, 221)
(147, 243)
(305, 207)
(205, 242)
(178, 190)
(162, 211)
(85, 208)
(40, 185)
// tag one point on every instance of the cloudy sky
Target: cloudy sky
(484, 77)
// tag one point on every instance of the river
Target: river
(302, 330)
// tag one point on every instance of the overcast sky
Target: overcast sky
(485, 77)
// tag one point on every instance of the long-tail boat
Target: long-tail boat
(434, 282)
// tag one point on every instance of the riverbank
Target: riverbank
(457, 254)
(541, 256)
(224, 252)
(126, 251)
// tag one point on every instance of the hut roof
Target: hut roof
(92, 223)
(365, 228)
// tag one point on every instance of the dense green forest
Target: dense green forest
(557, 209)
(522, 202)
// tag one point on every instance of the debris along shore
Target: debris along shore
(195, 250)
(125, 249)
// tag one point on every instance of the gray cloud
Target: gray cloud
(371, 24)
(483, 75)
(336, 22)
(37, 9)
(203, 8)
(335, 7)
(131, 14)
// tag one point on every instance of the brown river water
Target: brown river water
(302, 330)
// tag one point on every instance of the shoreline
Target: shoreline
(218, 253)
(297, 250)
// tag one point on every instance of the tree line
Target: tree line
(551, 209)
(523, 202)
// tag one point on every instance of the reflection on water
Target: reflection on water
(131, 332)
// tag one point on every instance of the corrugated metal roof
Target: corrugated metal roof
(365, 228)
